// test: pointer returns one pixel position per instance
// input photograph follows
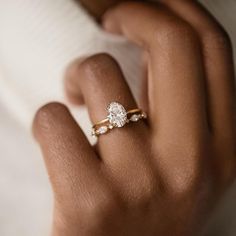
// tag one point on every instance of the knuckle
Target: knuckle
(47, 114)
(217, 38)
(98, 210)
(184, 183)
(188, 172)
(145, 199)
(176, 33)
(147, 191)
(142, 188)
(98, 65)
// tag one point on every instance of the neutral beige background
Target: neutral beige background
(25, 196)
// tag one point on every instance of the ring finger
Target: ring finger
(101, 82)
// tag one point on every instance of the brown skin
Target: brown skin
(157, 178)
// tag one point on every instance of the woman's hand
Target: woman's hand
(157, 178)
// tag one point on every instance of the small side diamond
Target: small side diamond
(144, 115)
(102, 130)
(110, 126)
(135, 117)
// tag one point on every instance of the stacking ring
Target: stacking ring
(117, 117)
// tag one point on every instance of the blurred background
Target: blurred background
(38, 38)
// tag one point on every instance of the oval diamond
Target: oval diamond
(117, 114)
(102, 130)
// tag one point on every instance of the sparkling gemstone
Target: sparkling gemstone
(144, 115)
(110, 126)
(117, 114)
(102, 130)
(135, 117)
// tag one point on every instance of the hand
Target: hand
(157, 178)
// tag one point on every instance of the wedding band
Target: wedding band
(117, 117)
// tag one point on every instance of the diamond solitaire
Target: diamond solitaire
(117, 114)
(117, 117)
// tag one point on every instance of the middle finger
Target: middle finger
(175, 69)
